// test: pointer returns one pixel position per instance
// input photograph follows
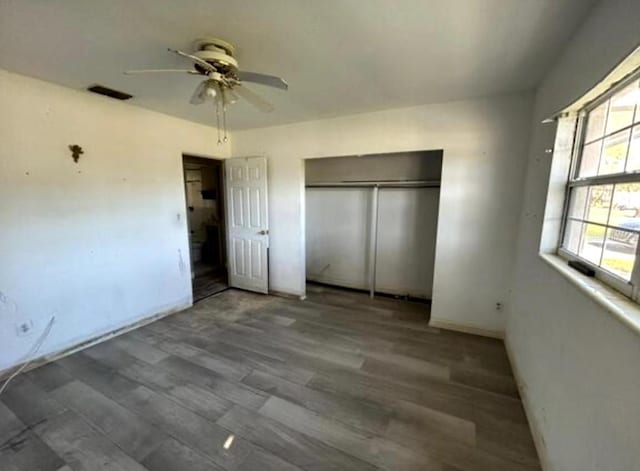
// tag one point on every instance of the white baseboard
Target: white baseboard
(466, 328)
(538, 439)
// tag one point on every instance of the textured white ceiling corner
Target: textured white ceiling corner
(339, 56)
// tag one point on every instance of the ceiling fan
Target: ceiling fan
(224, 83)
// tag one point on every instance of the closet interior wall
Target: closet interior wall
(372, 221)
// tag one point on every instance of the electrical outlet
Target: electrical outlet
(24, 328)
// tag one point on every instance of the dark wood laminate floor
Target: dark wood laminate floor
(208, 285)
(250, 382)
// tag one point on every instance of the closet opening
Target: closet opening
(371, 222)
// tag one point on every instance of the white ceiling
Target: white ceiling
(339, 56)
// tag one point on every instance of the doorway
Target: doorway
(204, 191)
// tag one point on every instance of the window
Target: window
(602, 209)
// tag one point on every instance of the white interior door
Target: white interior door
(247, 223)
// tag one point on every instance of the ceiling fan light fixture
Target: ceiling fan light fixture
(223, 84)
(230, 97)
(210, 92)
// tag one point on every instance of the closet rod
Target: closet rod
(387, 184)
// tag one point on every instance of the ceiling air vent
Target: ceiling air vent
(100, 90)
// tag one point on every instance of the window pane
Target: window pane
(614, 153)
(590, 159)
(619, 252)
(595, 122)
(572, 236)
(625, 209)
(633, 161)
(598, 203)
(591, 243)
(578, 202)
(621, 108)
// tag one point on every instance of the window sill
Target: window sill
(625, 310)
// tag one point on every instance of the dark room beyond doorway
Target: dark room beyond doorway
(205, 215)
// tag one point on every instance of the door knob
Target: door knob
(263, 232)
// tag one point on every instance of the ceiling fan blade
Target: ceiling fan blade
(195, 59)
(154, 71)
(263, 79)
(253, 98)
(198, 96)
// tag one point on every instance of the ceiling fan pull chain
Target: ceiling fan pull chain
(223, 101)
(218, 121)
(224, 122)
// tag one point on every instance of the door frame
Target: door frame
(195, 158)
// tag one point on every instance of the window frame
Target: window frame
(629, 288)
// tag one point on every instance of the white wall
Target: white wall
(102, 243)
(578, 364)
(485, 142)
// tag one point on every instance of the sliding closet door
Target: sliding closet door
(337, 233)
(407, 226)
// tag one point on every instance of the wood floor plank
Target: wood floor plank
(357, 318)
(314, 334)
(408, 417)
(380, 452)
(30, 403)
(284, 338)
(226, 368)
(311, 338)
(256, 361)
(140, 350)
(152, 376)
(320, 330)
(404, 369)
(303, 451)
(377, 389)
(498, 383)
(100, 377)
(130, 432)
(174, 456)
(453, 399)
(10, 424)
(237, 393)
(21, 449)
(158, 378)
(200, 401)
(506, 439)
(259, 460)
(31, 455)
(187, 427)
(453, 452)
(50, 376)
(82, 447)
(358, 413)
(252, 340)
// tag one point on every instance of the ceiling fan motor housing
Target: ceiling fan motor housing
(216, 52)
